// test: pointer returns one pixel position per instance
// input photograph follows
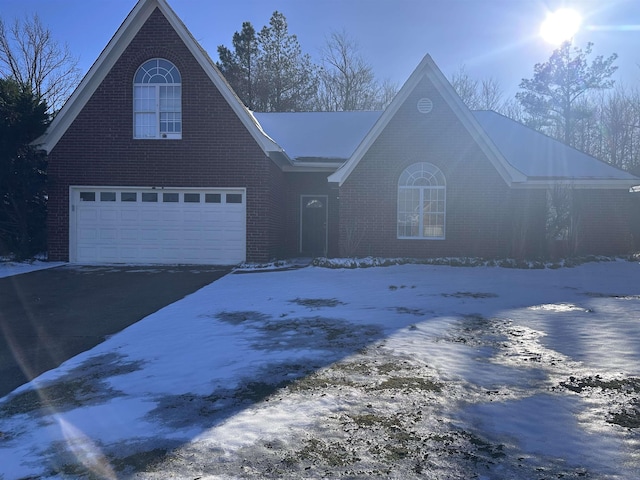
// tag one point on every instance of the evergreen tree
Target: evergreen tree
(23, 118)
(288, 79)
(240, 66)
(268, 70)
(552, 97)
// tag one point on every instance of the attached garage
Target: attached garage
(157, 225)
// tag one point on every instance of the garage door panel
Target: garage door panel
(109, 234)
(170, 215)
(171, 254)
(210, 217)
(129, 233)
(139, 231)
(149, 254)
(192, 234)
(87, 214)
(129, 214)
(192, 253)
(233, 207)
(192, 216)
(88, 234)
(212, 235)
(150, 234)
(108, 214)
(170, 234)
(84, 251)
(150, 217)
(108, 253)
(229, 217)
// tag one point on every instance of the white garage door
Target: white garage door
(157, 226)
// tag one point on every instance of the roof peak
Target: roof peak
(116, 46)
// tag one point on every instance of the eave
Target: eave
(579, 183)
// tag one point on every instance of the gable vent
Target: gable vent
(425, 105)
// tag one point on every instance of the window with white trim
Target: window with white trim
(157, 100)
(422, 202)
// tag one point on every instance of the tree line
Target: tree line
(270, 73)
(571, 97)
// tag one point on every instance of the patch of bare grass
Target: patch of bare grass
(316, 303)
(84, 385)
(470, 295)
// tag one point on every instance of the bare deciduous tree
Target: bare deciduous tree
(619, 125)
(347, 80)
(388, 91)
(30, 55)
(478, 95)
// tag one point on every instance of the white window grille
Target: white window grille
(157, 101)
(422, 195)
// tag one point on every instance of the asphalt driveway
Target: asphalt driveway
(48, 316)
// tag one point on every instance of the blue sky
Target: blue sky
(491, 38)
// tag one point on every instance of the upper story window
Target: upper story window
(157, 100)
(422, 202)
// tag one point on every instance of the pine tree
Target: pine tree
(23, 175)
(288, 79)
(552, 97)
(268, 70)
(240, 66)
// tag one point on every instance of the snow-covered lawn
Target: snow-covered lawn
(410, 371)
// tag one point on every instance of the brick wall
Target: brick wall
(476, 221)
(216, 150)
(484, 217)
(604, 221)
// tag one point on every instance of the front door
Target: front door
(313, 225)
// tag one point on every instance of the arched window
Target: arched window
(157, 100)
(421, 202)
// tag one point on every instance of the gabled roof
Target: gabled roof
(337, 141)
(522, 156)
(112, 52)
(546, 160)
(309, 137)
(428, 69)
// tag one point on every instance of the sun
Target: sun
(560, 26)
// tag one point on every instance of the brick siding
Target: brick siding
(476, 194)
(604, 222)
(216, 150)
(484, 217)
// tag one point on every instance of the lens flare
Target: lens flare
(560, 26)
